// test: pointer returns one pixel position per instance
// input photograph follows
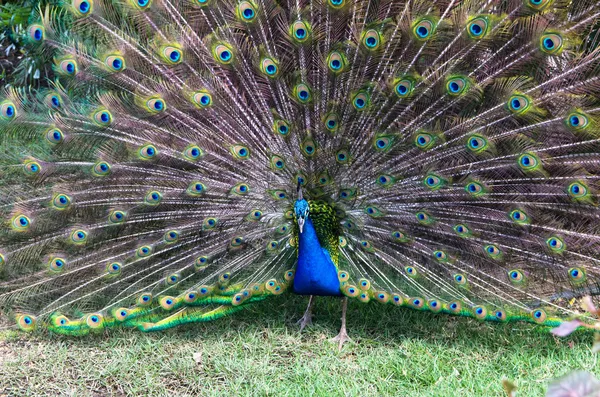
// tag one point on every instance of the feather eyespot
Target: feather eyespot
(223, 53)
(201, 263)
(26, 322)
(456, 86)
(538, 5)
(120, 314)
(196, 188)
(516, 276)
(171, 236)
(113, 268)
(144, 251)
(336, 4)
(424, 140)
(410, 271)
(302, 93)
(342, 241)
(246, 11)
(477, 143)
(32, 167)
(577, 121)
(366, 246)
(433, 182)
(556, 244)
(480, 312)
(416, 303)
(462, 230)
(156, 105)
(551, 43)
(300, 31)
(519, 104)
(578, 190)
(167, 302)
(519, 217)
(82, 8)
(404, 87)
(240, 152)
(423, 29)
(528, 162)
(241, 189)
(57, 264)
(460, 279)
(53, 101)
(424, 218)
(148, 152)
(141, 5)
(435, 306)
(337, 62)
(492, 251)
(20, 223)
(331, 122)
(79, 236)
(372, 39)
(67, 67)
(36, 33)
(61, 201)
(144, 299)
(202, 99)
(399, 236)
(102, 117)
(475, 189)
(115, 63)
(455, 307)
(254, 215)
(269, 67)
(54, 136)
(477, 28)
(342, 156)
(101, 168)
(347, 194)
(172, 279)
(277, 163)
(8, 111)
(577, 274)
(153, 198)
(538, 316)
(383, 142)
(193, 152)
(281, 127)
(172, 55)
(361, 100)
(236, 242)
(309, 147)
(210, 223)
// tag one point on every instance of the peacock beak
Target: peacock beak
(301, 224)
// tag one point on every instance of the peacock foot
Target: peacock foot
(305, 320)
(341, 338)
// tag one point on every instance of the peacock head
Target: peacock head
(301, 209)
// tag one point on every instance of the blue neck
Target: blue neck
(316, 273)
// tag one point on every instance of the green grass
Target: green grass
(259, 352)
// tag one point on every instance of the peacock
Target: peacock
(180, 160)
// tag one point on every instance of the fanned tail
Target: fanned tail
(151, 183)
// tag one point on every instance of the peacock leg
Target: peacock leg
(343, 335)
(307, 318)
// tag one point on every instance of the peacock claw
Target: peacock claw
(341, 338)
(305, 320)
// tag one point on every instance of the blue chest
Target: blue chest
(316, 273)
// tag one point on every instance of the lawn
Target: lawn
(259, 352)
